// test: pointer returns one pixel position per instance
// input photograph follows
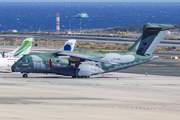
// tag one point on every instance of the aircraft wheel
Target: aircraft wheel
(25, 75)
(73, 76)
(80, 76)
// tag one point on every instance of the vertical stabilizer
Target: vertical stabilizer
(69, 45)
(152, 35)
(25, 48)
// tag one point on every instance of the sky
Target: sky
(89, 0)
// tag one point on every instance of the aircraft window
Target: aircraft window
(25, 60)
(20, 58)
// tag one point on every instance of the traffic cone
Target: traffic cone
(117, 78)
(102, 74)
(146, 74)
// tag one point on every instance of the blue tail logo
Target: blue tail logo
(67, 47)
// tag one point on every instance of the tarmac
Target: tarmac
(56, 97)
(125, 94)
(163, 67)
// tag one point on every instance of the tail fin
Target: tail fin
(69, 45)
(25, 48)
(152, 35)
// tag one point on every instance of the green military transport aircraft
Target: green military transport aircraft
(85, 64)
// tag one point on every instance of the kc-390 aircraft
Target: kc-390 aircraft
(85, 64)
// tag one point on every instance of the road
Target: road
(87, 38)
(156, 67)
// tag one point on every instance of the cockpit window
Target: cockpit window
(25, 60)
(20, 59)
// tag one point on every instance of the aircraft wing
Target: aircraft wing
(84, 57)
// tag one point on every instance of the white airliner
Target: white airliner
(8, 59)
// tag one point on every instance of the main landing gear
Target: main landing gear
(25, 75)
(80, 76)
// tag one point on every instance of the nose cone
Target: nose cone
(13, 67)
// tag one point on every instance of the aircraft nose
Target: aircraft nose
(13, 68)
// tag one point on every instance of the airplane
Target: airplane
(85, 64)
(69, 45)
(25, 48)
(8, 59)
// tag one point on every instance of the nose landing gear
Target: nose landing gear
(25, 75)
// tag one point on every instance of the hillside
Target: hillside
(128, 29)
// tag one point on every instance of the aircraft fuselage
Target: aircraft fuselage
(41, 64)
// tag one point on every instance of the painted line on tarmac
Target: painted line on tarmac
(167, 105)
(90, 85)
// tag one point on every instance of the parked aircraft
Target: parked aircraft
(25, 48)
(69, 45)
(8, 59)
(85, 64)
